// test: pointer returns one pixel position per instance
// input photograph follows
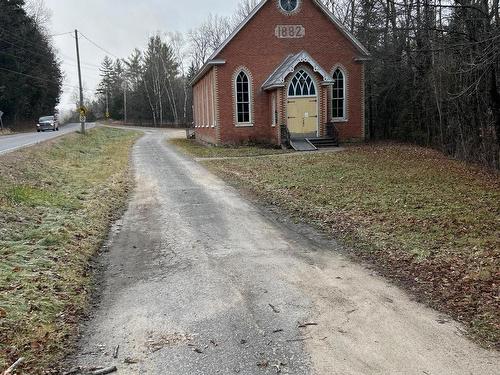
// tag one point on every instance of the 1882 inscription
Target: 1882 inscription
(290, 31)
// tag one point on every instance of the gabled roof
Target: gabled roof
(277, 79)
(361, 49)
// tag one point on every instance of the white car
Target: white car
(47, 123)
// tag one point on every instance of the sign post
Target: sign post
(83, 114)
(1, 122)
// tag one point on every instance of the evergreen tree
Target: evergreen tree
(30, 74)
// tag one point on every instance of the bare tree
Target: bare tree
(181, 54)
(206, 38)
(245, 7)
(38, 11)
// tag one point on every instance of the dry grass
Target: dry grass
(57, 201)
(430, 222)
(6, 132)
(198, 150)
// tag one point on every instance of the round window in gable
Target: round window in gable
(289, 6)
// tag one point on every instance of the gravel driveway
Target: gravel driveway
(197, 280)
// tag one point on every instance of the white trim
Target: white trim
(212, 102)
(204, 69)
(289, 65)
(345, 75)
(274, 109)
(286, 12)
(206, 103)
(210, 61)
(343, 29)
(312, 80)
(317, 96)
(237, 72)
(202, 103)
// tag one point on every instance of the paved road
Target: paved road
(13, 142)
(198, 280)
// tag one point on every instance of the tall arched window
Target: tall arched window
(243, 99)
(302, 85)
(339, 95)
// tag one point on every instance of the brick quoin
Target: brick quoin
(257, 49)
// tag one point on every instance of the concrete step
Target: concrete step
(323, 142)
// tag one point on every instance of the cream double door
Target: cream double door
(302, 116)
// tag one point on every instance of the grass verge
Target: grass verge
(6, 132)
(427, 221)
(198, 150)
(57, 201)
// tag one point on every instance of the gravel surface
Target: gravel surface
(197, 280)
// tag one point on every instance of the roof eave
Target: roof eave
(237, 29)
(272, 87)
(204, 69)
(359, 46)
(281, 85)
(363, 58)
(342, 29)
(330, 15)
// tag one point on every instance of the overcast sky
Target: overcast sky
(119, 26)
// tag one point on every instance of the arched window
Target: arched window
(243, 99)
(339, 95)
(302, 85)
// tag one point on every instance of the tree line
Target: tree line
(30, 74)
(433, 79)
(155, 82)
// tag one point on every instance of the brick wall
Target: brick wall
(205, 102)
(259, 51)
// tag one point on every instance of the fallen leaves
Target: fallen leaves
(420, 218)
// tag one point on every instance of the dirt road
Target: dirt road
(200, 281)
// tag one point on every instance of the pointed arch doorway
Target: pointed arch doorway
(302, 106)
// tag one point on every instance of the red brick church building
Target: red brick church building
(290, 66)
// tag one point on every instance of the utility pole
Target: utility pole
(1, 122)
(81, 110)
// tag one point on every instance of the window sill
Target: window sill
(340, 120)
(244, 125)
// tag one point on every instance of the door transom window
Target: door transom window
(302, 85)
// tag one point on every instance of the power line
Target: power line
(44, 56)
(17, 37)
(61, 34)
(32, 65)
(28, 42)
(98, 46)
(24, 49)
(41, 79)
